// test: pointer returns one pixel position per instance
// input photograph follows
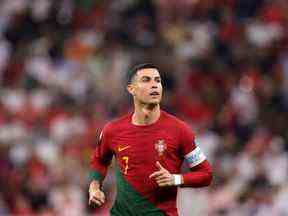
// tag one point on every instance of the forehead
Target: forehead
(150, 72)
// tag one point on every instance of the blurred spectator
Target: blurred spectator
(62, 70)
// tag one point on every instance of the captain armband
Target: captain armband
(195, 157)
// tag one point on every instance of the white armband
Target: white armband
(177, 179)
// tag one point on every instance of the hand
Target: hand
(96, 196)
(163, 177)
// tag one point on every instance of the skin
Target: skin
(146, 111)
(146, 106)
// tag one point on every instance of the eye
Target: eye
(158, 80)
(145, 79)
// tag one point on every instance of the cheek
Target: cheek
(161, 89)
(141, 91)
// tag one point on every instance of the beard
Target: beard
(150, 103)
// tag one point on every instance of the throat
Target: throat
(146, 116)
(147, 119)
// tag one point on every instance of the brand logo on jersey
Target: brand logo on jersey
(160, 147)
(123, 148)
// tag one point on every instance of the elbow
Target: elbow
(209, 175)
(208, 179)
(200, 176)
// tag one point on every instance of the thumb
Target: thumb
(160, 167)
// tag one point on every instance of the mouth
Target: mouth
(155, 93)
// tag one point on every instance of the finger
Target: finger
(161, 177)
(99, 197)
(160, 166)
(164, 183)
(90, 200)
(95, 201)
(102, 197)
(157, 173)
(167, 181)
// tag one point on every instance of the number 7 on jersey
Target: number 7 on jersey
(126, 161)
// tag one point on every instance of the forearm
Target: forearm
(98, 168)
(199, 176)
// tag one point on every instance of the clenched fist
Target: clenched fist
(96, 195)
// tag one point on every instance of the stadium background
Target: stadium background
(62, 69)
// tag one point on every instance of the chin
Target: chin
(155, 102)
(152, 102)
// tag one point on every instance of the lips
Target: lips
(154, 93)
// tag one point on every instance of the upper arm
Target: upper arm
(103, 151)
(189, 149)
(102, 156)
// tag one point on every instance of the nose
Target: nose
(155, 85)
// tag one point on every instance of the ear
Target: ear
(130, 89)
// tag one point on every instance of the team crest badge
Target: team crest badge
(160, 147)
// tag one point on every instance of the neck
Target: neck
(145, 114)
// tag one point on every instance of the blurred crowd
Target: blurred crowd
(62, 77)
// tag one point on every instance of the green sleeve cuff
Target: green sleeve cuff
(95, 175)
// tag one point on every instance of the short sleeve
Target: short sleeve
(190, 150)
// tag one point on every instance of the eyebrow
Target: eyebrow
(145, 77)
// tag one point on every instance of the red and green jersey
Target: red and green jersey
(136, 149)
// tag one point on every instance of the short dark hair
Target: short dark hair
(131, 73)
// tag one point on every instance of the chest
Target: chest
(145, 146)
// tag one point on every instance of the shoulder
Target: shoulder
(115, 124)
(175, 121)
(184, 131)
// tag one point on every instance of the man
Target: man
(149, 146)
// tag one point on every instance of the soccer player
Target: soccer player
(149, 146)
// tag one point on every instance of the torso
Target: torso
(137, 148)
